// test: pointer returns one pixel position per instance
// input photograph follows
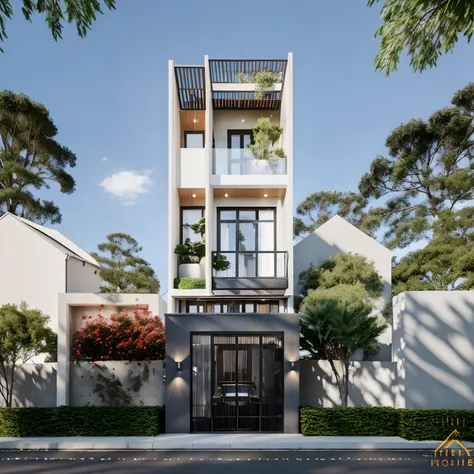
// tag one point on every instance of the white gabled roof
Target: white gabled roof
(57, 239)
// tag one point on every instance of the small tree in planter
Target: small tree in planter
(265, 79)
(265, 135)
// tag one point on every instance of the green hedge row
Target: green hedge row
(82, 421)
(189, 283)
(416, 425)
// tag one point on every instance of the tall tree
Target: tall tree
(24, 334)
(81, 12)
(122, 270)
(425, 28)
(30, 158)
(332, 330)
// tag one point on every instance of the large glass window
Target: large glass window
(194, 139)
(189, 216)
(247, 238)
(231, 306)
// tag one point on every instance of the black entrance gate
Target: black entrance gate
(237, 382)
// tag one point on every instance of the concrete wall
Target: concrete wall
(178, 336)
(82, 277)
(33, 270)
(372, 384)
(34, 386)
(433, 334)
(339, 236)
(142, 380)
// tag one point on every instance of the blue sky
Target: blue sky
(108, 96)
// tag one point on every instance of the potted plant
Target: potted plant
(265, 135)
(265, 80)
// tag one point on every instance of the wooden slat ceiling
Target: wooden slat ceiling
(227, 71)
(191, 87)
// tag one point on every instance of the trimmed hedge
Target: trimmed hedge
(415, 425)
(189, 283)
(82, 421)
(357, 421)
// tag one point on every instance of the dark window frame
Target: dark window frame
(237, 221)
(233, 304)
(194, 132)
(240, 132)
(181, 223)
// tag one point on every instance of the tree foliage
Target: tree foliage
(122, 270)
(333, 330)
(24, 334)
(30, 158)
(425, 28)
(81, 12)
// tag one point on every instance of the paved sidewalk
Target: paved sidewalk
(215, 441)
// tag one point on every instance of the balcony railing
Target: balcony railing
(240, 161)
(253, 270)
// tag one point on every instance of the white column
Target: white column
(64, 351)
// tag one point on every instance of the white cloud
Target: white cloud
(128, 185)
(104, 158)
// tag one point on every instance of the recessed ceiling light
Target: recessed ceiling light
(226, 195)
(265, 195)
(195, 120)
(242, 120)
(194, 195)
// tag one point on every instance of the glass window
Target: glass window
(247, 215)
(194, 139)
(266, 265)
(247, 234)
(228, 215)
(247, 265)
(227, 240)
(190, 216)
(266, 236)
(266, 215)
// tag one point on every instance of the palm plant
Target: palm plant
(334, 331)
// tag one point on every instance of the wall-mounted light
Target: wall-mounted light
(195, 370)
(226, 195)
(265, 195)
(194, 195)
(292, 365)
(178, 365)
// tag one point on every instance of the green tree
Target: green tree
(341, 275)
(333, 330)
(24, 334)
(425, 28)
(122, 270)
(81, 12)
(30, 158)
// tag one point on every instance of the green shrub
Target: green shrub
(82, 421)
(435, 425)
(188, 283)
(351, 421)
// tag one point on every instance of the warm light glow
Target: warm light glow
(265, 195)
(195, 120)
(242, 120)
(194, 195)
(226, 195)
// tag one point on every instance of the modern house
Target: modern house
(39, 263)
(339, 236)
(232, 335)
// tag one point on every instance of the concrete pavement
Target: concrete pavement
(224, 441)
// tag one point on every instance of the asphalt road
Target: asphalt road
(218, 462)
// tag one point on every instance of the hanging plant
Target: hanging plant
(265, 135)
(265, 79)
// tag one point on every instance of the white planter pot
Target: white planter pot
(189, 270)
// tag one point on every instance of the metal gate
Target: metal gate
(237, 382)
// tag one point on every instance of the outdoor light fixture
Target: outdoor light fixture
(178, 364)
(242, 120)
(226, 195)
(265, 195)
(194, 195)
(195, 120)
(292, 365)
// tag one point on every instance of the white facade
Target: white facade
(217, 174)
(339, 236)
(38, 263)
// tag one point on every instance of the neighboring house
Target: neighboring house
(236, 338)
(38, 263)
(339, 236)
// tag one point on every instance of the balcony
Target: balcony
(253, 271)
(238, 167)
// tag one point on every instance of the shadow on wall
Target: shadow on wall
(434, 348)
(371, 384)
(34, 386)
